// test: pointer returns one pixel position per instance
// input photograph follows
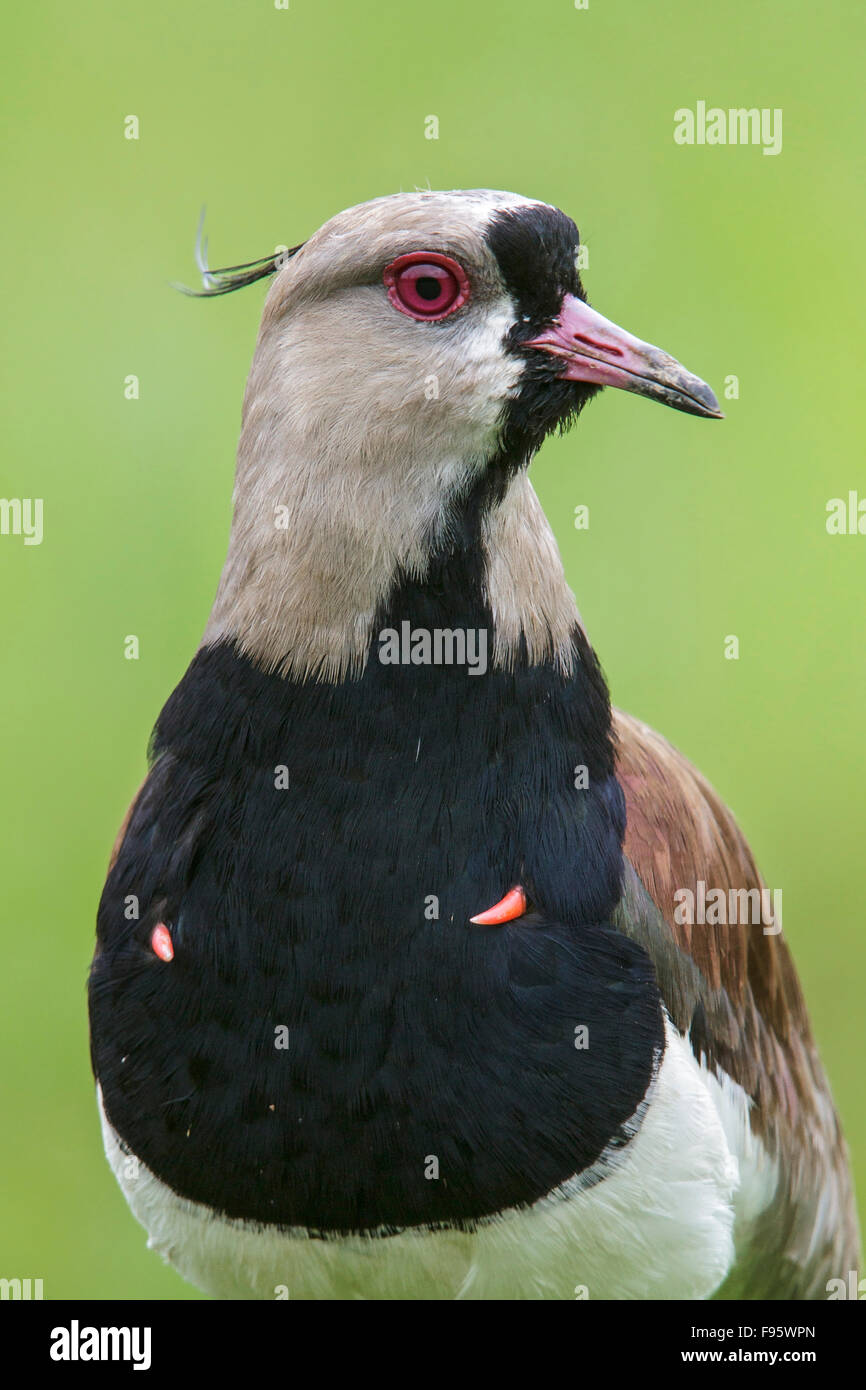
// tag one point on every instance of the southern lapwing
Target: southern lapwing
(420, 972)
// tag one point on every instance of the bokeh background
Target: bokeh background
(736, 262)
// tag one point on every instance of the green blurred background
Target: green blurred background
(736, 262)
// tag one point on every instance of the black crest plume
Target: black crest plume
(232, 277)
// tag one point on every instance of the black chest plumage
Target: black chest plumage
(334, 1045)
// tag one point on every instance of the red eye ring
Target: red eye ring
(411, 282)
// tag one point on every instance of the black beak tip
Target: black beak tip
(695, 397)
(714, 410)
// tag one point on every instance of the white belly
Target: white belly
(658, 1224)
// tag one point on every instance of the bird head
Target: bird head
(461, 311)
(412, 356)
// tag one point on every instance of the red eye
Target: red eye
(425, 285)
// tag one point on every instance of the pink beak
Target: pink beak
(595, 350)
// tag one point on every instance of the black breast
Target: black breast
(333, 914)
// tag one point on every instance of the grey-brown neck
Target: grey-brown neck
(309, 566)
(362, 432)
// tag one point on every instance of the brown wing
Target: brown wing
(742, 1008)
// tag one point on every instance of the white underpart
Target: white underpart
(661, 1224)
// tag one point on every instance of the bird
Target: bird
(395, 992)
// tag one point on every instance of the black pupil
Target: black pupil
(427, 287)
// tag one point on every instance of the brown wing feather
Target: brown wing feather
(743, 1008)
